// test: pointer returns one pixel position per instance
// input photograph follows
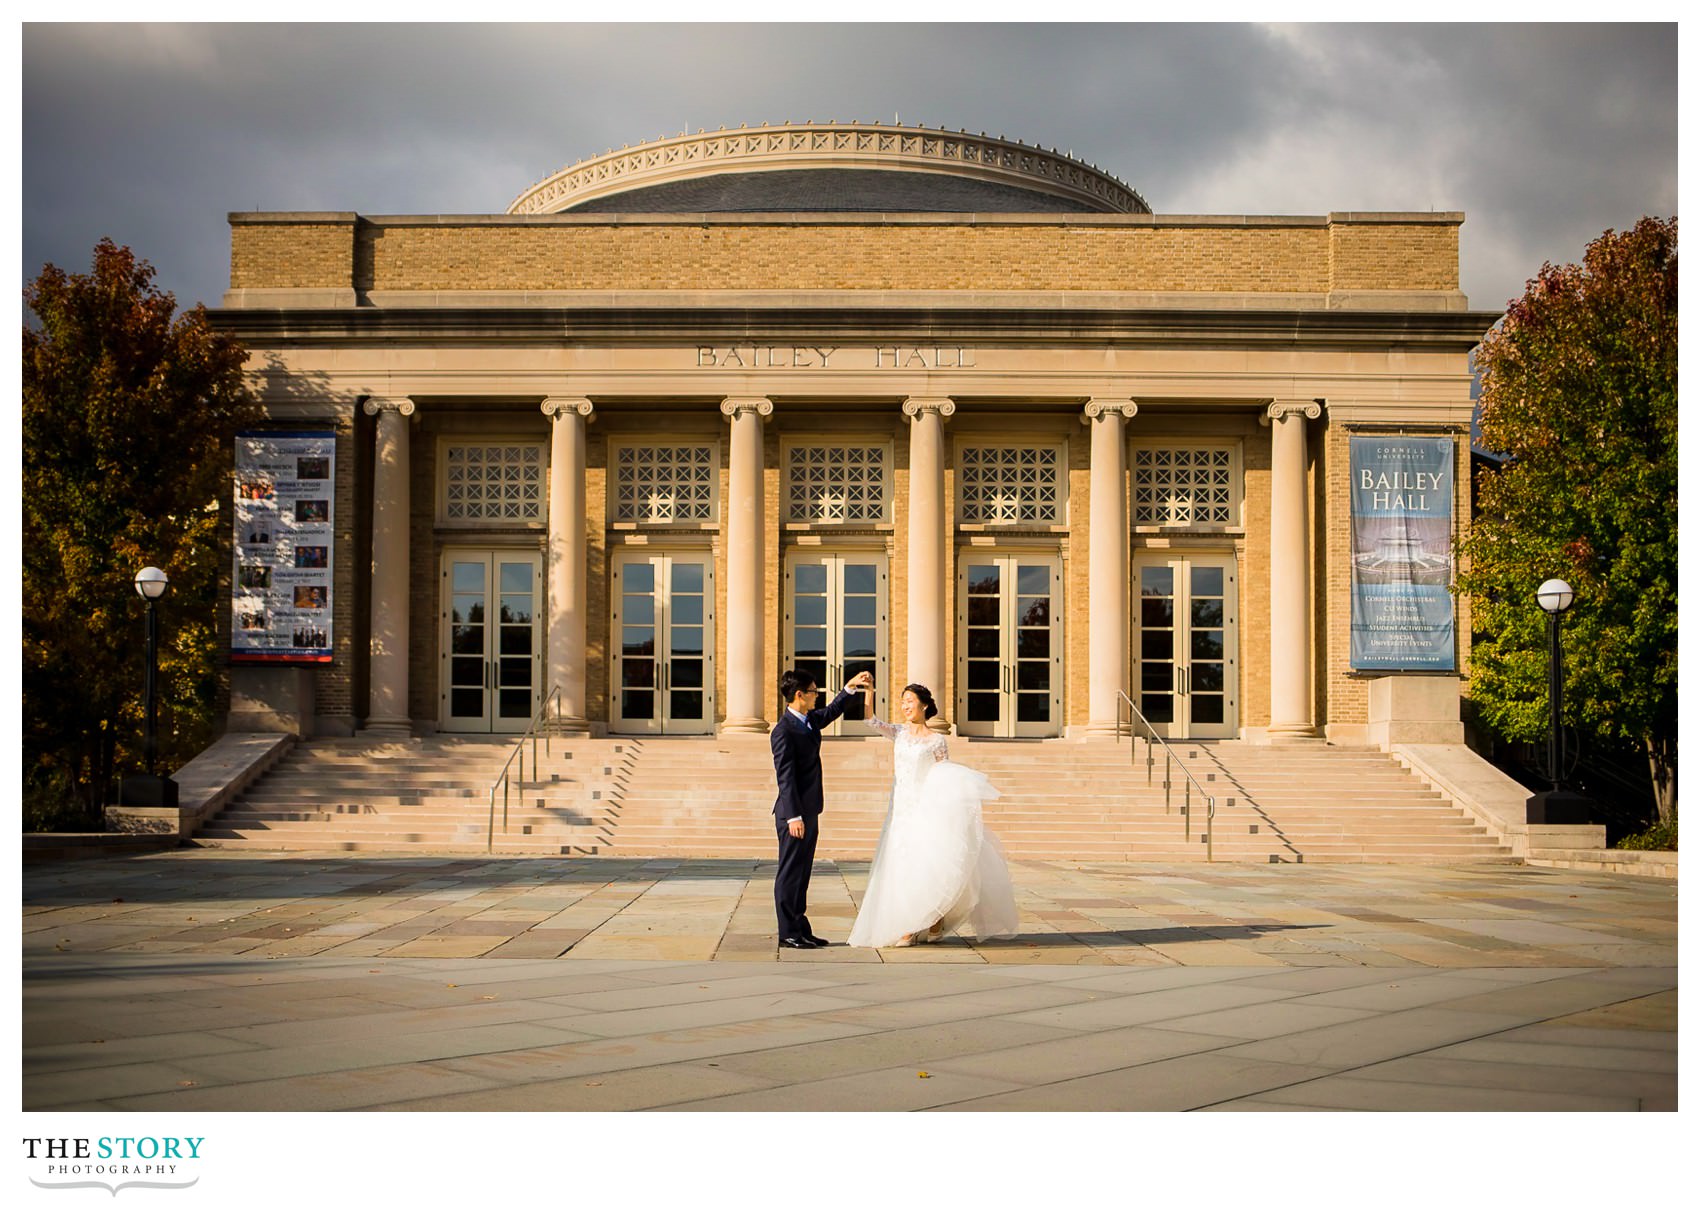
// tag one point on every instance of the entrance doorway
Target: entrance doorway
(490, 647)
(663, 640)
(1186, 644)
(836, 611)
(1009, 645)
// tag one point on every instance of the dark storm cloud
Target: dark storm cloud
(1544, 135)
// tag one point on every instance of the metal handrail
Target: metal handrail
(1170, 761)
(553, 698)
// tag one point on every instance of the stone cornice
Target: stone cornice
(1172, 327)
(858, 145)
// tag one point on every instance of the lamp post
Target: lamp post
(151, 789)
(1555, 806)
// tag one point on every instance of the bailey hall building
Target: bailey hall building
(837, 397)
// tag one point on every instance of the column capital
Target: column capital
(734, 407)
(557, 407)
(1098, 408)
(915, 406)
(1279, 409)
(388, 404)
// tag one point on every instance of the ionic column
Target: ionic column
(746, 565)
(1107, 588)
(387, 710)
(927, 591)
(567, 558)
(1289, 571)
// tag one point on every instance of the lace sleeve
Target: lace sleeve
(941, 749)
(886, 727)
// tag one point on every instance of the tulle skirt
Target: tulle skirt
(937, 863)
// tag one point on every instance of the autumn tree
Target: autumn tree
(128, 412)
(1579, 393)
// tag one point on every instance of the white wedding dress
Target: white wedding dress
(936, 862)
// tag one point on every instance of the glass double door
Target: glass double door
(663, 641)
(1009, 645)
(491, 644)
(1186, 644)
(836, 611)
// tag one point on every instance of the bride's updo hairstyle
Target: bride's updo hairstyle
(929, 709)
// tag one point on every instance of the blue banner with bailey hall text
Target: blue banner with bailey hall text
(1402, 494)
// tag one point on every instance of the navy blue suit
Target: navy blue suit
(796, 763)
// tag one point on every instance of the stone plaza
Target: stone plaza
(195, 980)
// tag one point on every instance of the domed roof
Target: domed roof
(832, 166)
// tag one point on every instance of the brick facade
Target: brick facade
(1308, 318)
(717, 253)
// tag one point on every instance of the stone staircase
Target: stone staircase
(430, 795)
(712, 797)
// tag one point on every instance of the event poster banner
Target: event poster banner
(280, 597)
(1402, 493)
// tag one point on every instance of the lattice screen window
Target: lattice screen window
(836, 484)
(1183, 486)
(493, 482)
(664, 484)
(1009, 484)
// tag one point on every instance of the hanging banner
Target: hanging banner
(280, 597)
(1402, 494)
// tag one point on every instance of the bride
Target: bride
(937, 868)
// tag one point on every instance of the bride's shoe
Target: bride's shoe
(906, 941)
(935, 932)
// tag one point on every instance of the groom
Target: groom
(796, 764)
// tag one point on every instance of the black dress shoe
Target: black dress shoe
(792, 941)
(818, 941)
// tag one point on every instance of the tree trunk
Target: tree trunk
(1661, 759)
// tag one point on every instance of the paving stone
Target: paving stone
(1437, 1070)
(1376, 1038)
(1115, 1012)
(1563, 1031)
(626, 1090)
(593, 1057)
(1072, 1055)
(208, 948)
(1366, 1095)
(102, 1053)
(925, 1048)
(898, 1089)
(643, 1020)
(1560, 996)
(678, 993)
(1263, 1021)
(1176, 1084)
(1516, 1052)
(323, 1092)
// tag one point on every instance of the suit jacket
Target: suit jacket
(796, 759)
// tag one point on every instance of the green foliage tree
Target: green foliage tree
(1579, 392)
(128, 413)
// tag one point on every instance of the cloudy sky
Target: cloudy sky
(1543, 135)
